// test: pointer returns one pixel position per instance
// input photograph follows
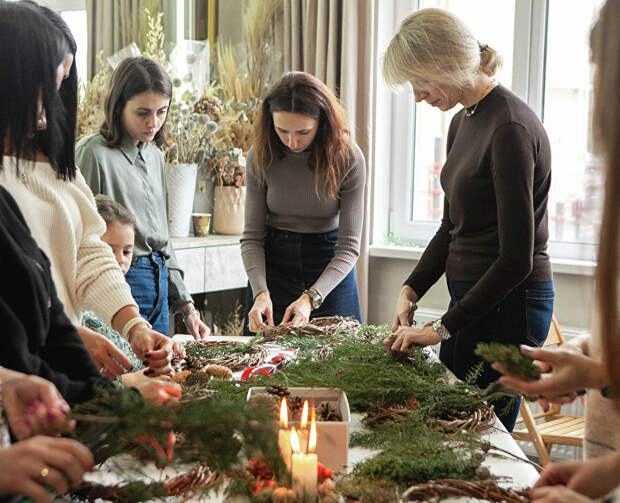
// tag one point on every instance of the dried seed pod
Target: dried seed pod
(219, 371)
(483, 473)
(181, 377)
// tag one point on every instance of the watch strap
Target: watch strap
(440, 330)
(315, 298)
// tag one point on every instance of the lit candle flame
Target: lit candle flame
(283, 413)
(312, 436)
(295, 441)
(304, 415)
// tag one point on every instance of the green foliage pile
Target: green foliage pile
(214, 431)
(411, 452)
(222, 430)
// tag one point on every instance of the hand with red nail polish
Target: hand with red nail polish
(33, 405)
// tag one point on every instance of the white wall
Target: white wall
(573, 293)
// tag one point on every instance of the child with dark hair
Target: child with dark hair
(119, 235)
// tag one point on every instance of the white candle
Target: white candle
(284, 443)
(284, 435)
(304, 470)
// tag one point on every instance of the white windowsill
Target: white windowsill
(558, 265)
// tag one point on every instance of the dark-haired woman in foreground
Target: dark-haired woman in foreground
(304, 207)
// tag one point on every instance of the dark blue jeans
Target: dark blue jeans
(148, 279)
(293, 262)
(523, 317)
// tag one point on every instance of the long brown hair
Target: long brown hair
(132, 77)
(302, 93)
(604, 41)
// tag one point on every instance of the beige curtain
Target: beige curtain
(335, 40)
(112, 25)
(312, 38)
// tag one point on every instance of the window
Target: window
(575, 200)
(73, 13)
(549, 69)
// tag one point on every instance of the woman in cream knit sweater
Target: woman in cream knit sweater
(40, 173)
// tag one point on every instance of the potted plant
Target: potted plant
(227, 170)
(189, 139)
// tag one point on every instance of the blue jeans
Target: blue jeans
(148, 279)
(293, 262)
(523, 317)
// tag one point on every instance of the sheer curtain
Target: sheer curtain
(335, 40)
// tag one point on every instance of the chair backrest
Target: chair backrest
(554, 337)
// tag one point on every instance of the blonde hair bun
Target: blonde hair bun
(435, 46)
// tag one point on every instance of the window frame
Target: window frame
(395, 223)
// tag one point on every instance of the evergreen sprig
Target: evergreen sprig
(215, 431)
(511, 359)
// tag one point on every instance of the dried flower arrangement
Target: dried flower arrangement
(189, 133)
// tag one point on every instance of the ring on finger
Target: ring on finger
(44, 472)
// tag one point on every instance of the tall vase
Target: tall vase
(181, 181)
(228, 210)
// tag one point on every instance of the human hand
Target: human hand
(29, 466)
(569, 371)
(594, 478)
(109, 359)
(404, 305)
(405, 337)
(159, 391)
(298, 312)
(194, 324)
(262, 307)
(33, 406)
(153, 348)
(178, 349)
(558, 494)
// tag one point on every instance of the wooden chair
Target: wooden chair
(547, 428)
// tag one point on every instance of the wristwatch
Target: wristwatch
(315, 298)
(189, 312)
(439, 329)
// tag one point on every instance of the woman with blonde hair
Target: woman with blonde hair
(304, 207)
(492, 241)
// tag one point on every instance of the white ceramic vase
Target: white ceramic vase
(228, 210)
(181, 181)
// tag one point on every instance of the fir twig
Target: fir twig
(511, 359)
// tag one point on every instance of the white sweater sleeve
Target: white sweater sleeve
(99, 285)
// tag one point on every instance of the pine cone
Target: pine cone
(295, 404)
(327, 412)
(278, 390)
